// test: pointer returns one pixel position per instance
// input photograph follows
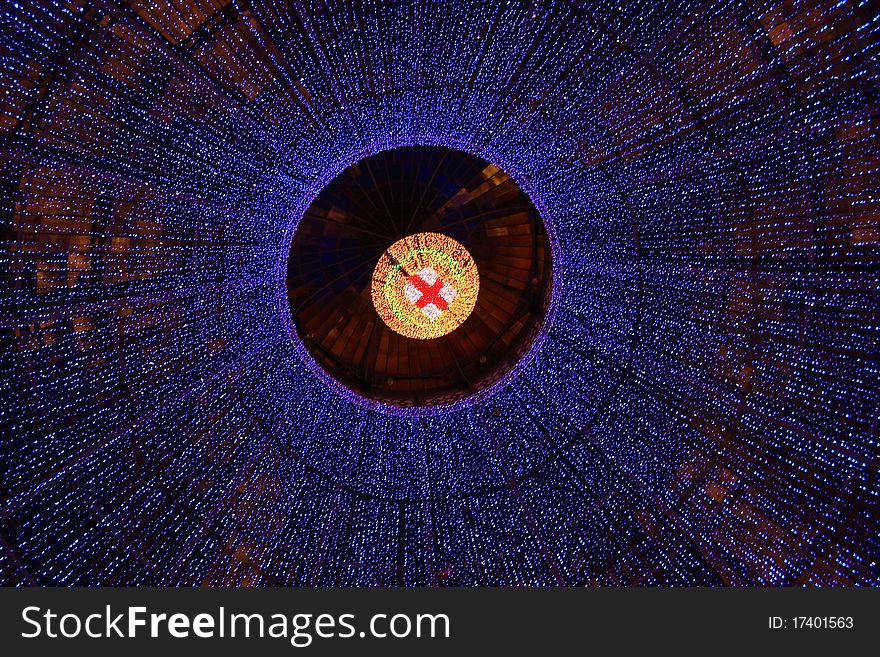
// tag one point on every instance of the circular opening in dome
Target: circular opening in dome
(419, 277)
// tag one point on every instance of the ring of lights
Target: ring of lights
(425, 286)
(501, 375)
(701, 413)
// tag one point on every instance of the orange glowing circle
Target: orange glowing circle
(425, 285)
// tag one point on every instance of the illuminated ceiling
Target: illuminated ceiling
(697, 402)
(356, 319)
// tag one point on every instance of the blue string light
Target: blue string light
(702, 409)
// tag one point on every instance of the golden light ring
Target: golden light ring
(425, 285)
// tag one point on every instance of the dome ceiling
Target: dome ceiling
(702, 409)
(483, 236)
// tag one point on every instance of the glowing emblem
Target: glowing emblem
(425, 285)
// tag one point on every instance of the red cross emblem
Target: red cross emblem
(429, 292)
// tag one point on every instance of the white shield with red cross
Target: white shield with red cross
(425, 285)
(429, 292)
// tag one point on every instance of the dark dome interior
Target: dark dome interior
(703, 404)
(389, 196)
